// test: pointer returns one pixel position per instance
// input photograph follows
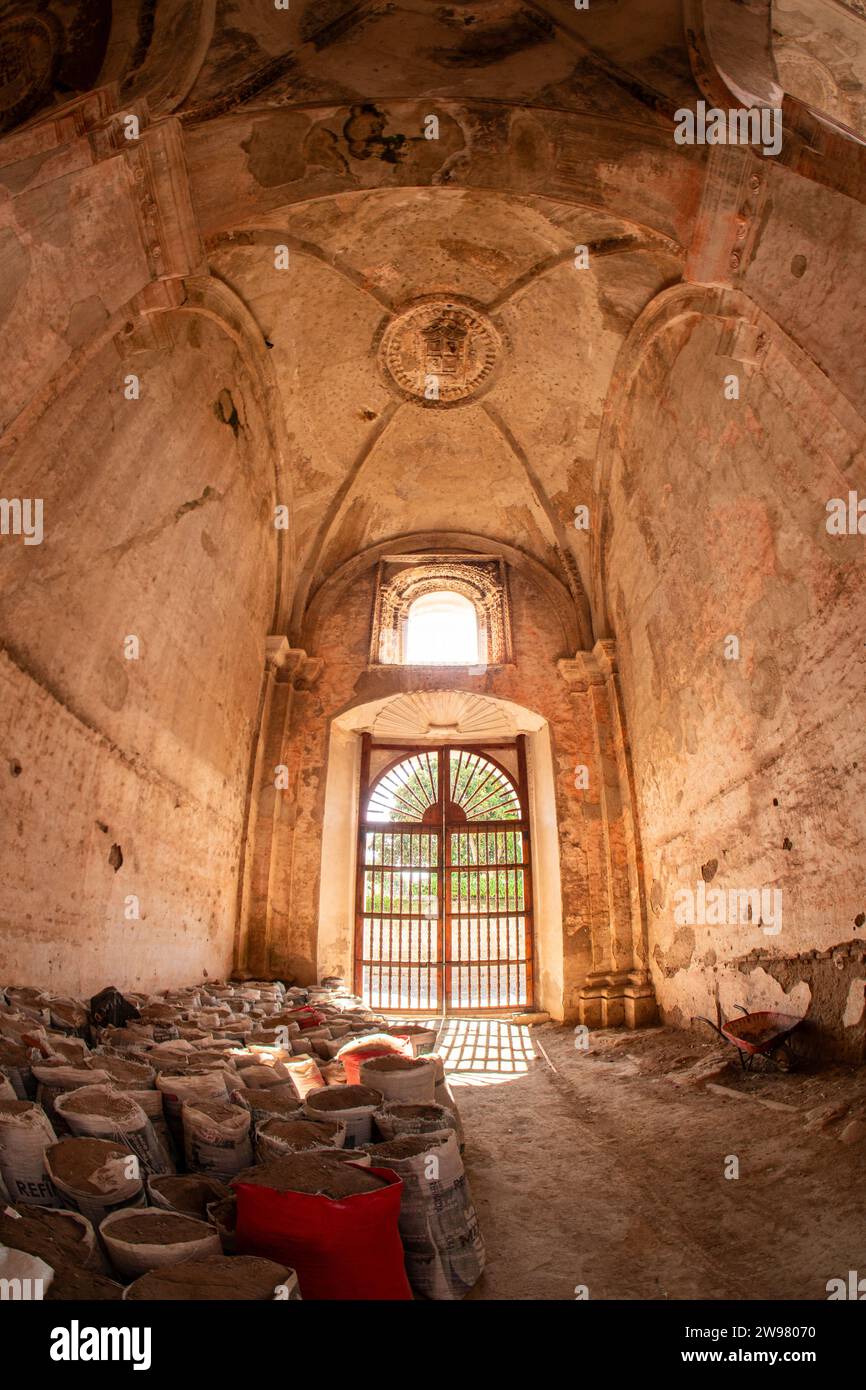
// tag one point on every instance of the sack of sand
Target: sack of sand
(443, 1246)
(148, 1238)
(362, 1049)
(397, 1117)
(103, 1112)
(25, 1134)
(190, 1194)
(178, 1088)
(352, 1106)
(277, 1137)
(52, 1234)
(55, 1077)
(94, 1176)
(16, 1065)
(325, 1216)
(408, 1079)
(243, 1277)
(216, 1136)
(304, 1075)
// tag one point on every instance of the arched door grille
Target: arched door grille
(444, 888)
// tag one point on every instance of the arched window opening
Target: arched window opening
(459, 609)
(442, 630)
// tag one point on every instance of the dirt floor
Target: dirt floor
(605, 1168)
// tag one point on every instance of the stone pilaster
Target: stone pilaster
(271, 814)
(617, 989)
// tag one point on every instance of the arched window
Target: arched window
(441, 609)
(442, 630)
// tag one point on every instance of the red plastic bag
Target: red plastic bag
(340, 1248)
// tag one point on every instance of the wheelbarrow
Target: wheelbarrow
(758, 1035)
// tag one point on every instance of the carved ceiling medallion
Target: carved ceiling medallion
(439, 351)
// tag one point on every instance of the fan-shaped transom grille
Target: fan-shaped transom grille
(478, 790)
(407, 791)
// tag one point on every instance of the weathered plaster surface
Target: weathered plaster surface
(157, 526)
(754, 769)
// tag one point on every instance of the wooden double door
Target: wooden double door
(444, 885)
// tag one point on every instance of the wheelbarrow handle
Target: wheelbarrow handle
(699, 1018)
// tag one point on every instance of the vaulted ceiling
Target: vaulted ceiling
(306, 128)
(515, 461)
(374, 220)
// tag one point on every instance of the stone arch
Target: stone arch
(144, 324)
(157, 52)
(419, 715)
(732, 51)
(512, 150)
(572, 611)
(714, 524)
(746, 332)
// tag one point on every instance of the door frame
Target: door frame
(446, 963)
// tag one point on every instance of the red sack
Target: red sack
(306, 1017)
(340, 1248)
(352, 1057)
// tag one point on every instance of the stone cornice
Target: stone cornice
(291, 665)
(585, 669)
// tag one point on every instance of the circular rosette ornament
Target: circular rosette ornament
(439, 351)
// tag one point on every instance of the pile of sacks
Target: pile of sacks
(240, 1140)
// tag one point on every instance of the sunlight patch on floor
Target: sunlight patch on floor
(484, 1051)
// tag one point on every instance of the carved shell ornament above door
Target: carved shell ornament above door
(443, 714)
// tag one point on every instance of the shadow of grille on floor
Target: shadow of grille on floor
(475, 1050)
